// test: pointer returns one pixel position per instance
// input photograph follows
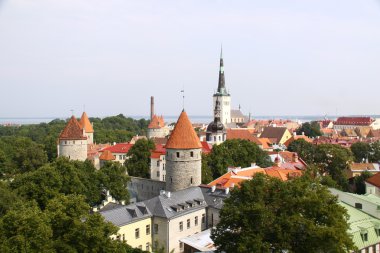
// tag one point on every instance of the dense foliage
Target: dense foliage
(237, 153)
(311, 129)
(269, 215)
(107, 130)
(138, 163)
(363, 151)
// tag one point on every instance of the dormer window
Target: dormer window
(364, 236)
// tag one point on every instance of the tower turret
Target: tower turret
(216, 132)
(183, 156)
(87, 126)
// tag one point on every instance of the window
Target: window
(147, 246)
(137, 233)
(171, 180)
(191, 153)
(377, 230)
(123, 237)
(203, 218)
(191, 180)
(177, 154)
(188, 223)
(181, 226)
(196, 221)
(65, 142)
(158, 174)
(158, 163)
(214, 138)
(73, 142)
(156, 228)
(220, 138)
(364, 236)
(120, 157)
(147, 229)
(163, 177)
(163, 167)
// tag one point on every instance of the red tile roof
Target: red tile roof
(85, 123)
(72, 131)
(297, 137)
(107, 156)
(120, 148)
(183, 136)
(206, 147)
(156, 122)
(357, 121)
(374, 180)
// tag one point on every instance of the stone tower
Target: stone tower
(216, 132)
(72, 141)
(87, 126)
(183, 156)
(223, 96)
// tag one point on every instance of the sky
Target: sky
(281, 57)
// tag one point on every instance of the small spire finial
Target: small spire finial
(183, 98)
(221, 50)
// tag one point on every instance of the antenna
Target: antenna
(183, 98)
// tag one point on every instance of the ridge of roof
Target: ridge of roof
(183, 135)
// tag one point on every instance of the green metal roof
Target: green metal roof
(361, 223)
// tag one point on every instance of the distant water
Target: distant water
(169, 118)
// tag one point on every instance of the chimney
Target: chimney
(151, 107)
(295, 158)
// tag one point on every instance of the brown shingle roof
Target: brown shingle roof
(85, 123)
(183, 136)
(243, 134)
(273, 133)
(107, 156)
(72, 131)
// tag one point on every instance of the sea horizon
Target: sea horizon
(173, 118)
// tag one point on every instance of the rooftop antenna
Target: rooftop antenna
(183, 98)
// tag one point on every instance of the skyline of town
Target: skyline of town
(281, 58)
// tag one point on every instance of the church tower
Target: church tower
(223, 96)
(216, 132)
(183, 156)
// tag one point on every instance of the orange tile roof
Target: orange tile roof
(265, 143)
(236, 177)
(183, 136)
(297, 137)
(156, 122)
(72, 131)
(85, 123)
(107, 156)
(206, 147)
(374, 180)
(243, 134)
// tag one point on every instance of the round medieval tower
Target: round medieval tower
(183, 156)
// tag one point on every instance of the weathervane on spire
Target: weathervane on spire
(183, 98)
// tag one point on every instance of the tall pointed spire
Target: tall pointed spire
(221, 84)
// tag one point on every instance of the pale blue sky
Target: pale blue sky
(282, 57)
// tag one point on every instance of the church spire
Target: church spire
(221, 85)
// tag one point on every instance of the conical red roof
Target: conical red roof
(72, 131)
(85, 123)
(183, 136)
(107, 156)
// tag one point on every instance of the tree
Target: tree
(236, 153)
(311, 129)
(359, 181)
(304, 149)
(25, 229)
(138, 162)
(206, 170)
(333, 160)
(269, 215)
(361, 151)
(113, 177)
(8, 199)
(375, 152)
